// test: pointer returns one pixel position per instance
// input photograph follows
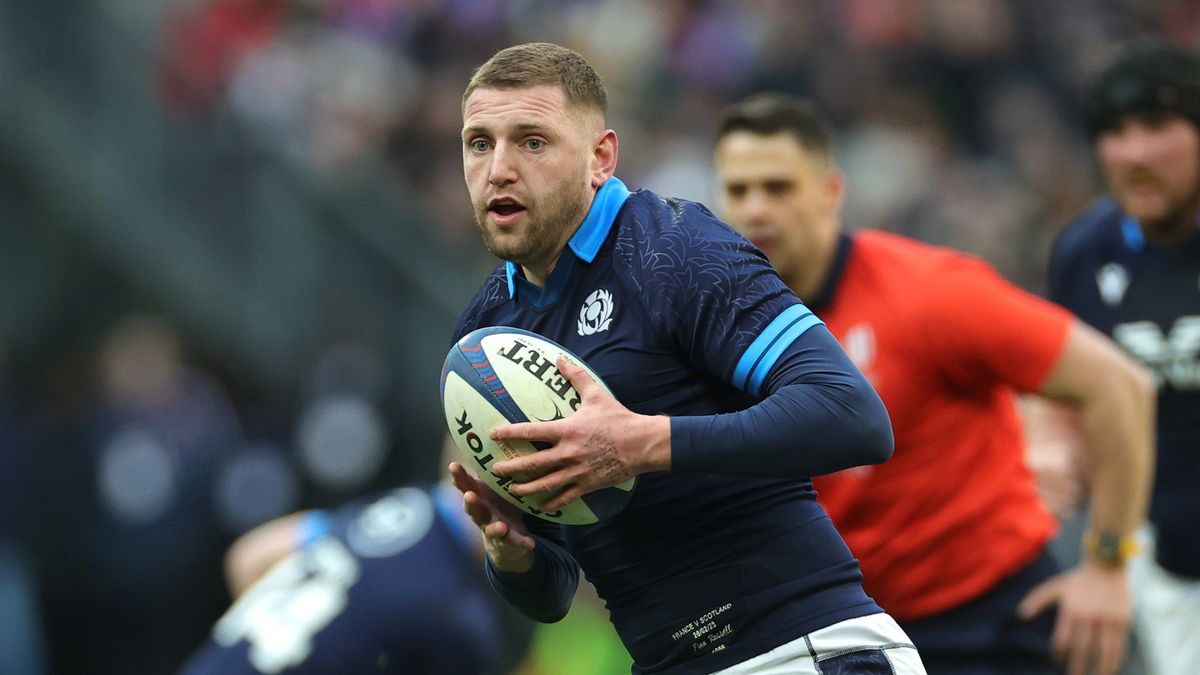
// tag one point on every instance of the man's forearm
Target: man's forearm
(1118, 428)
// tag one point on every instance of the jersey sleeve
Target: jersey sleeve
(981, 329)
(715, 295)
(733, 317)
(545, 592)
(819, 415)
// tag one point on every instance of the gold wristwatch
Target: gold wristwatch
(1109, 549)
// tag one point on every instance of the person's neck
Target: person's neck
(809, 282)
(1175, 231)
(540, 275)
(814, 273)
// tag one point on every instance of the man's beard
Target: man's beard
(543, 235)
(1176, 221)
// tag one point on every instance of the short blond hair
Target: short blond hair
(540, 63)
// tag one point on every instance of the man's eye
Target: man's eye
(479, 145)
(535, 143)
(779, 188)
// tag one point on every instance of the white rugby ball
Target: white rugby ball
(501, 375)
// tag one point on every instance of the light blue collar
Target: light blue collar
(1135, 239)
(586, 241)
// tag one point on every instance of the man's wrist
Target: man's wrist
(1108, 548)
(513, 566)
(510, 564)
(657, 456)
(531, 579)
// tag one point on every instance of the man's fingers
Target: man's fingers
(497, 530)
(1060, 637)
(553, 480)
(1082, 642)
(533, 464)
(546, 432)
(571, 493)
(1039, 599)
(1111, 652)
(499, 533)
(579, 378)
(458, 475)
(503, 537)
(545, 484)
(475, 507)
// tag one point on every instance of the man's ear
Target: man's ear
(835, 186)
(604, 158)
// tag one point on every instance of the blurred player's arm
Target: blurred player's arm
(1114, 398)
(258, 550)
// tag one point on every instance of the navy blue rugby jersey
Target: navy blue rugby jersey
(386, 585)
(680, 315)
(1148, 300)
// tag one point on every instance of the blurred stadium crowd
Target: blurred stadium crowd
(235, 238)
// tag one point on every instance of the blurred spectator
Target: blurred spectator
(137, 548)
(342, 439)
(208, 39)
(21, 642)
(321, 97)
(14, 458)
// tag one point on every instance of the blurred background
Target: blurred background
(234, 239)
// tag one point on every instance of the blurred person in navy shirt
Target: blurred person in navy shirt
(1129, 265)
(21, 642)
(132, 544)
(391, 583)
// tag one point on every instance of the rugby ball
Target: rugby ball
(501, 375)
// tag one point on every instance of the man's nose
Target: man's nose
(502, 170)
(756, 206)
(1132, 144)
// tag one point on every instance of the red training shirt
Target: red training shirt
(948, 344)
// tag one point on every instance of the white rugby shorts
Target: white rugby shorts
(1166, 613)
(866, 645)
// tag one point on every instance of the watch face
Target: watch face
(1108, 548)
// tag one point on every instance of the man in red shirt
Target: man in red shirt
(951, 533)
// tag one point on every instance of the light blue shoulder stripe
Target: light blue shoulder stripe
(752, 369)
(785, 340)
(745, 365)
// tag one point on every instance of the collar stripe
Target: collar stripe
(590, 236)
(1135, 240)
